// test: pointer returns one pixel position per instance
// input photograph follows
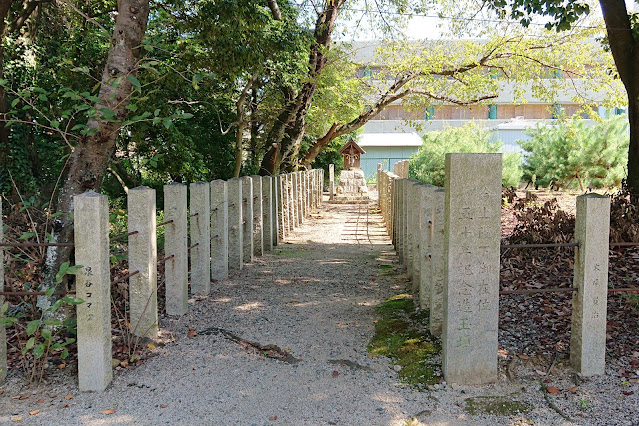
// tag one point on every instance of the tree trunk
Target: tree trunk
(90, 158)
(633, 149)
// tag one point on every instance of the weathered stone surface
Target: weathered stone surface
(93, 286)
(290, 191)
(200, 209)
(3, 332)
(437, 263)
(258, 225)
(299, 196)
(275, 211)
(268, 224)
(400, 168)
(143, 290)
(176, 269)
(423, 254)
(282, 207)
(219, 230)
(236, 252)
(472, 241)
(247, 219)
(589, 303)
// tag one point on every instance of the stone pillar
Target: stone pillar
(331, 181)
(247, 219)
(3, 331)
(235, 229)
(267, 215)
(280, 181)
(421, 256)
(200, 252)
(437, 263)
(309, 192)
(176, 270)
(219, 230)
(291, 201)
(258, 225)
(299, 200)
(143, 257)
(412, 230)
(589, 303)
(275, 211)
(93, 286)
(472, 242)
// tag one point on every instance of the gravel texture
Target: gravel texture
(313, 296)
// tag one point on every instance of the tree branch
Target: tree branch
(275, 10)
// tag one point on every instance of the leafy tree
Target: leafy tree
(428, 164)
(622, 36)
(572, 152)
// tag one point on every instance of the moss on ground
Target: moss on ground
(496, 405)
(398, 336)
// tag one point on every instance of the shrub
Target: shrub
(572, 153)
(427, 165)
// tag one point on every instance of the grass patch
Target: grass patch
(298, 253)
(398, 337)
(385, 266)
(496, 405)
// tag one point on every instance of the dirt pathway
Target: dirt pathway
(314, 298)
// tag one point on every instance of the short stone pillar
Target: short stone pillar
(437, 264)
(331, 181)
(143, 257)
(472, 243)
(3, 331)
(267, 213)
(282, 218)
(247, 219)
(219, 230)
(258, 230)
(275, 205)
(176, 270)
(589, 303)
(299, 199)
(236, 227)
(93, 286)
(200, 245)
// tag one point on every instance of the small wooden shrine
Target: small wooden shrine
(351, 152)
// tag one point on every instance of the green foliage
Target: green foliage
(572, 154)
(427, 165)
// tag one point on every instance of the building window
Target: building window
(430, 113)
(368, 72)
(492, 112)
(557, 111)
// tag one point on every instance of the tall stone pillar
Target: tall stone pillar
(437, 263)
(247, 219)
(219, 230)
(268, 224)
(93, 286)
(200, 247)
(236, 227)
(176, 270)
(143, 257)
(472, 243)
(258, 230)
(589, 303)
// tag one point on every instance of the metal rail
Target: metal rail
(164, 259)
(164, 223)
(121, 236)
(125, 277)
(539, 290)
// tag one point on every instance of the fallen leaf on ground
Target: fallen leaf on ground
(40, 401)
(523, 356)
(23, 397)
(68, 397)
(192, 333)
(66, 406)
(272, 418)
(335, 373)
(163, 405)
(628, 393)
(573, 390)
(151, 346)
(62, 366)
(16, 419)
(34, 412)
(109, 411)
(552, 389)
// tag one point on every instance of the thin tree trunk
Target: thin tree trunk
(90, 158)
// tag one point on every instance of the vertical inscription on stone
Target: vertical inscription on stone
(471, 249)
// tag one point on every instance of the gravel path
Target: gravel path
(315, 297)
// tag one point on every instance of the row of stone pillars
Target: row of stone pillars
(231, 222)
(449, 241)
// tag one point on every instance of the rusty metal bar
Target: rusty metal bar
(538, 290)
(164, 259)
(121, 236)
(164, 223)
(622, 290)
(36, 244)
(33, 293)
(125, 277)
(624, 244)
(193, 215)
(539, 245)
(193, 246)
